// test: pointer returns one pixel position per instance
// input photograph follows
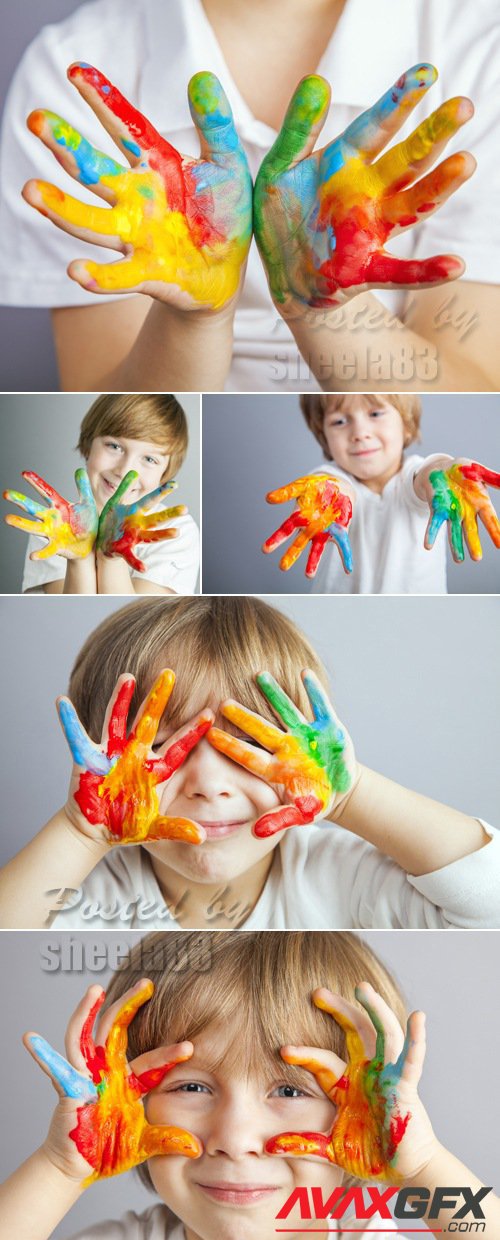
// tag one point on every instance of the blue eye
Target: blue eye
(290, 1091)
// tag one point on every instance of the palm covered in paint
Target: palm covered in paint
(381, 1129)
(105, 1118)
(123, 526)
(458, 496)
(310, 765)
(322, 218)
(323, 514)
(70, 529)
(183, 224)
(114, 785)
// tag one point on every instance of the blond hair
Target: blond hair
(215, 645)
(159, 419)
(315, 406)
(255, 984)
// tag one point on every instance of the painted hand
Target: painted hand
(381, 1130)
(122, 526)
(70, 529)
(322, 218)
(311, 765)
(114, 784)
(183, 225)
(111, 1132)
(323, 514)
(458, 496)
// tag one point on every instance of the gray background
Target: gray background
(40, 433)
(448, 975)
(255, 444)
(36, 364)
(415, 680)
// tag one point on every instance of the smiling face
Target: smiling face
(110, 459)
(365, 437)
(235, 1189)
(225, 800)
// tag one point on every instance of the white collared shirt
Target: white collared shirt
(151, 49)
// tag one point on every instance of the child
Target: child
(180, 825)
(145, 437)
(397, 338)
(398, 502)
(231, 1050)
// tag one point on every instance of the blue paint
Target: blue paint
(30, 506)
(91, 164)
(340, 536)
(131, 146)
(72, 1082)
(322, 709)
(84, 752)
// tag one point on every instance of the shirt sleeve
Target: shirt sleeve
(37, 573)
(157, 1223)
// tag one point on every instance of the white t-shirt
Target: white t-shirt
(321, 878)
(173, 563)
(387, 539)
(154, 1225)
(150, 50)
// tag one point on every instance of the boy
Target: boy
(146, 434)
(395, 498)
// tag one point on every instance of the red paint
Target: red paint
(479, 473)
(426, 206)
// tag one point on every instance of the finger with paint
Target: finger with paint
(111, 1132)
(70, 529)
(375, 1092)
(115, 783)
(123, 526)
(311, 764)
(459, 498)
(182, 224)
(322, 219)
(322, 515)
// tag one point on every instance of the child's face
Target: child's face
(235, 1189)
(226, 800)
(366, 439)
(110, 459)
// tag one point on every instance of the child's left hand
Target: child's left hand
(311, 764)
(323, 513)
(123, 526)
(381, 1130)
(101, 1093)
(456, 493)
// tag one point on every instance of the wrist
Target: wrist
(79, 831)
(51, 1164)
(339, 808)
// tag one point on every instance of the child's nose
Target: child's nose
(236, 1130)
(207, 773)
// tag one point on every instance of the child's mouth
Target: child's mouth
(217, 830)
(238, 1194)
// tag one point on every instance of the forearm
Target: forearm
(113, 575)
(177, 350)
(59, 858)
(421, 835)
(445, 1172)
(35, 1199)
(81, 576)
(361, 344)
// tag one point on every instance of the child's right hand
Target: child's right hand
(99, 1127)
(311, 765)
(70, 529)
(183, 225)
(323, 513)
(456, 491)
(123, 526)
(113, 794)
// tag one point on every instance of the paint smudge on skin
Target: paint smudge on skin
(369, 1125)
(460, 497)
(323, 514)
(322, 221)
(123, 526)
(307, 761)
(70, 529)
(184, 222)
(117, 789)
(111, 1131)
